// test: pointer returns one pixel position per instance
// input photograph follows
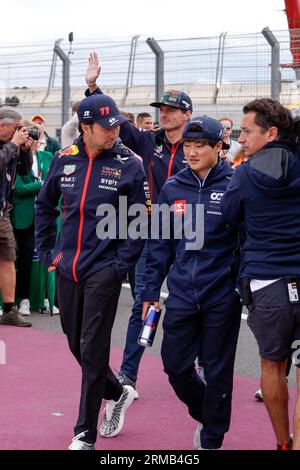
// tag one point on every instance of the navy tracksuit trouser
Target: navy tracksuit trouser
(210, 333)
(87, 311)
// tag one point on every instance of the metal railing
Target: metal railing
(220, 73)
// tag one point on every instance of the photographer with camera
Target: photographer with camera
(12, 162)
(26, 189)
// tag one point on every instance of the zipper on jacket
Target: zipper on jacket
(201, 184)
(81, 213)
(173, 151)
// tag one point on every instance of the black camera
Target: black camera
(34, 133)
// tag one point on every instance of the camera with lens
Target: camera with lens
(34, 133)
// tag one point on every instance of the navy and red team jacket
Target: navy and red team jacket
(195, 276)
(85, 183)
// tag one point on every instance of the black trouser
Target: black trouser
(210, 332)
(25, 247)
(87, 311)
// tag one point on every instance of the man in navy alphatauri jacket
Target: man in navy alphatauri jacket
(163, 156)
(264, 194)
(203, 310)
(91, 176)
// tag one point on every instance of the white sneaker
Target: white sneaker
(113, 418)
(1, 311)
(55, 310)
(24, 307)
(77, 444)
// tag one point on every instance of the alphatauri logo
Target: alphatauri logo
(216, 197)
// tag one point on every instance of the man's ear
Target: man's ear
(218, 147)
(273, 133)
(85, 128)
(187, 116)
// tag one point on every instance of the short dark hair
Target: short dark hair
(142, 116)
(271, 113)
(129, 116)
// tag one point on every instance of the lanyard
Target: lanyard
(173, 151)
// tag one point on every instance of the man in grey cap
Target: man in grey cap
(12, 137)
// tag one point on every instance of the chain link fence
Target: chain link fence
(220, 73)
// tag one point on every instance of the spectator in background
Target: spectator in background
(22, 218)
(129, 116)
(144, 121)
(69, 131)
(47, 143)
(229, 154)
(13, 160)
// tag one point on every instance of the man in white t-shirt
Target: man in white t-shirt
(231, 153)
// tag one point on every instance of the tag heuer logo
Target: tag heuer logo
(69, 169)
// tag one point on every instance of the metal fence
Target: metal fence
(220, 73)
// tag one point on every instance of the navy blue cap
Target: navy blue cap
(175, 99)
(100, 109)
(203, 127)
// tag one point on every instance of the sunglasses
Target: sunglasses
(227, 127)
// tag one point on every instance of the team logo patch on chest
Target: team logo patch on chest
(158, 151)
(214, 202)
(72, 150)
(111, 172)
(69, 169)
(216, 196)
(180, 206)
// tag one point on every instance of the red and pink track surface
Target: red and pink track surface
(40, 385)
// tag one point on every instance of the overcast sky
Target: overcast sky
(34, 20)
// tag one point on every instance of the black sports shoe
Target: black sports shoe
(14, 318)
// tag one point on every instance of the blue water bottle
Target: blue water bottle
(149, 327)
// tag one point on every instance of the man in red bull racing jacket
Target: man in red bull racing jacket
(91, 176)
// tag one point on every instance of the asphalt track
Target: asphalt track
(40, 383)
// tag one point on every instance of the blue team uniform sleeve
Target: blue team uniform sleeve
(46, 215)
(232, 201)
